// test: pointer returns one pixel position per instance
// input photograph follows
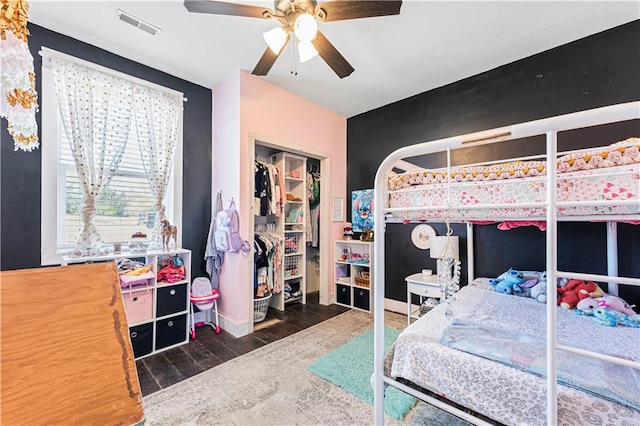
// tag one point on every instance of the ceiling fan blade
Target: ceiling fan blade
(268, 59)
(331, 56)
(225, 8)
(343, 9)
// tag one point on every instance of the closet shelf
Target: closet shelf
(288, 229)
(293, 277)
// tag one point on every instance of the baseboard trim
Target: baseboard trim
(395, 306)
(234, 328)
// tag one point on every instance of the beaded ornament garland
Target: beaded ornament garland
(18, 97)
(448, 275)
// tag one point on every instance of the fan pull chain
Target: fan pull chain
(294, 62)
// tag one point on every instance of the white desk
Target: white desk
(424, 286)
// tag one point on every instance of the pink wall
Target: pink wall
(279, 116)
(226, 157)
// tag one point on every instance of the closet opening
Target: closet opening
(291, 188)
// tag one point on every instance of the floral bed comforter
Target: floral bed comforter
(609, 175)
(506, 394)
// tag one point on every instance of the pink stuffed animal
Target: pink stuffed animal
(607, 301)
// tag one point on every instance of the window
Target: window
(125, 205)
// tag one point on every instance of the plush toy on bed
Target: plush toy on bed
(539, 291)
(611, 318)
(607, 301)
(513, 282)
(575, 290)
(507, 280)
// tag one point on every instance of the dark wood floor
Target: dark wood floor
(208, 350)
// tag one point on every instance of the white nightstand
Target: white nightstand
(424, 286)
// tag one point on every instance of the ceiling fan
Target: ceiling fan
(299, 17)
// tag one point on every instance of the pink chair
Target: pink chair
(205, 298)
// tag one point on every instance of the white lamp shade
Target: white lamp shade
(306, 51)
(305, 27)
(275, 38)
(438, 245)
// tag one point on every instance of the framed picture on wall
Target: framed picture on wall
(338, 210)
(362, 209)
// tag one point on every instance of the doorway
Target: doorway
(265, 145)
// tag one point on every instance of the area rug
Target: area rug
(272, 386)
(351, 365)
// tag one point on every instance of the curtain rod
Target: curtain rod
(46, 52)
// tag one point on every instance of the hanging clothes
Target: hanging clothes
(262, 193)
(269, 256)
(312, 208)
(212, 256)
(269, 189)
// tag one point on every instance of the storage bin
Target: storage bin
(171, 331)
(343, 294)
(362, 281)
(171, 299)
(292, 243)
(293, 266)
(361, 299)
(141, 339)
(138, 305)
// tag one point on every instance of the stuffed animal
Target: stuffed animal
(575, 290)
(507, 280)
(616, 303)
(587, 305)
(524, 289)
(611, 318)
(607, 301)
(539, 291)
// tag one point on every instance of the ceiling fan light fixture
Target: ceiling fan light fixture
(305, 27)
(306, 51)
(276, 39)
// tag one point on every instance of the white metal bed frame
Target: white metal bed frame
(549, 127)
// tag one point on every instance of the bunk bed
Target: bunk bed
(597, 184)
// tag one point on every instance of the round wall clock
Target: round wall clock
(421, 236)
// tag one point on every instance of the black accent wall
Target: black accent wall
(20, 188)
(599, 70)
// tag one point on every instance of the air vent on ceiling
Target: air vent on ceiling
(138, 23)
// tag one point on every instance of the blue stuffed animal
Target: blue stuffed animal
(610, 318)
(508, 282)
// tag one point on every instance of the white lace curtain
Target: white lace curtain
(96, 110)
(157, 118)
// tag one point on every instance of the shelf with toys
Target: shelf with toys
(155, 287)
(353, 273)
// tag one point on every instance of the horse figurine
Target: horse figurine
(169, 231)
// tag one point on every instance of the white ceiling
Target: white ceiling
(429, 45)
